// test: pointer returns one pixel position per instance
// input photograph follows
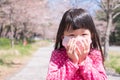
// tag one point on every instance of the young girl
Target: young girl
(77, 54)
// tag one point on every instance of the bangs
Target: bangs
(77, 21)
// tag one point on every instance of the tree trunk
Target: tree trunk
(106, 44)
(44, 32)
(12, 36)
(1, 30)
(25, 41)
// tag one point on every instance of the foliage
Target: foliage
(100, 15)
(4, 43)
(18, 21)
(113, 61)
(9, 55)
(115, 35)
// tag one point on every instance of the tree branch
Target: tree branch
(117, 6)
(101, 5)
(118, 13)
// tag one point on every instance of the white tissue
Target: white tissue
(66, 40)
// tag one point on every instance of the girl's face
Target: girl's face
(85, 33)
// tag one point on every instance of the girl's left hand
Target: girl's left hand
(82, 48)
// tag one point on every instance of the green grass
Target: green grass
(4, 43)
(114, 61)
(8, 55)
(24, 50)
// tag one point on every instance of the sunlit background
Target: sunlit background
(27, 25)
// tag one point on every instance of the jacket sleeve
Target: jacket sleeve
(92, 68)
(60, 67)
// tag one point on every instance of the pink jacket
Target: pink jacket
(61, 68)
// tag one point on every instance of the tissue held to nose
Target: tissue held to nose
(66, 40)
(78, 40)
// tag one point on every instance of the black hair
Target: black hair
(76, 19)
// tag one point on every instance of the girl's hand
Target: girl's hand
(71, 51)
(82, 48)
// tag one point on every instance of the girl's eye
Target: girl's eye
(72, 35)
(84, 34)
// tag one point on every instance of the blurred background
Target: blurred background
(26, 25)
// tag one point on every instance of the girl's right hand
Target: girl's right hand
(71, 46)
